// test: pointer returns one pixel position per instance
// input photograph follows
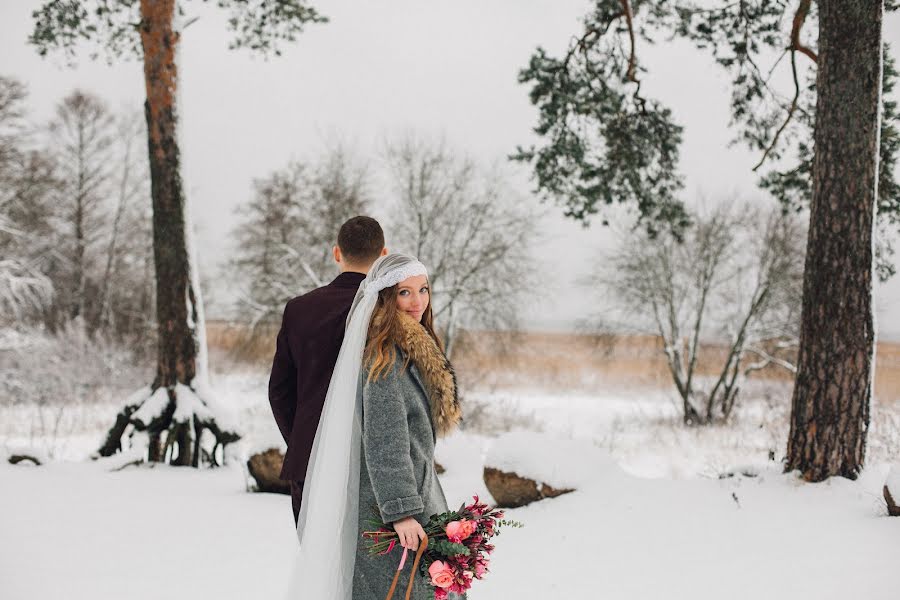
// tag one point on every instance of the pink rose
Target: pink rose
(441, 574)
(457, 531)
(471, 526)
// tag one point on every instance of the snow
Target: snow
(769, 537)
(201, 402)
(91, 529)
(188, 404)
(641, 428)
(560, 463)
(152, 407)
(224, 414)
(136, 397)
(893, 482)
(84, 532)
(199, 326)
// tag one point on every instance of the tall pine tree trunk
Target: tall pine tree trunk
(177, 309)
(830, 413)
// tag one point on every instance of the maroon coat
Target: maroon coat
(306, 350)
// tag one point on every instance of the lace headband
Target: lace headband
(395, 276)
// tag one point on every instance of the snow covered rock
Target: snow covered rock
(26, 455)
(523, 467)
(892, 491)
(511, 490)
(265, 467)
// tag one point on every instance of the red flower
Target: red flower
(477, 507)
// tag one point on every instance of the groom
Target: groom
(307, 347)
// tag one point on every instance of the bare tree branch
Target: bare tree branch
(465, 223)
(799, 18)
(735, 273)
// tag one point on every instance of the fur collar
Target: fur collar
(436, 371)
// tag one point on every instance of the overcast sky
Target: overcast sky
(383, 67)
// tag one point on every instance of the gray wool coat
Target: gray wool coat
(397, 475)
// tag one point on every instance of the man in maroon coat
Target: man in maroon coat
(307, 347)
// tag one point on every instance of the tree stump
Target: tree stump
(265, 467)
(511, 490)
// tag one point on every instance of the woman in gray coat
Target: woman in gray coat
(408, 395)
(392, 393)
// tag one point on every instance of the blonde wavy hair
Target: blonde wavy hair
(381, 345)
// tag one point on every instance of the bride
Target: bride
(392, 393)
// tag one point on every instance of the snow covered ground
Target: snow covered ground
(651, 518)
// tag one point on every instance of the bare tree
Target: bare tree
(12, 115)
(337, 190)
(24, 289)
(126, 287)
(82, 135)
(56, 234)
(266, 236)
(102, 232)
(736, 277)
(26, 212)
(468, 226)
(287, 230)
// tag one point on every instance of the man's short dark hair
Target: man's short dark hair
(361, 240)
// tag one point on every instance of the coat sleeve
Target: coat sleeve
(283, 382)
(386, 449)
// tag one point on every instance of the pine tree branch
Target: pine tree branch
(799, 18)
(632, 61)
(631, 73)
(795, 46)
(583, 44)
(790, 114)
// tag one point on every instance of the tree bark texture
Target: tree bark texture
(176, 300)
(833, 388)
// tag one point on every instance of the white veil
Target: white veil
(328, 523)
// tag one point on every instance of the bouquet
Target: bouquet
(458, 548)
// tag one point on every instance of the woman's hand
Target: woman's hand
(410, 532)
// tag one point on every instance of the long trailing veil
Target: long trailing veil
(328, 523)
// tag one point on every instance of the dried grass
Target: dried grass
(572, 361)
